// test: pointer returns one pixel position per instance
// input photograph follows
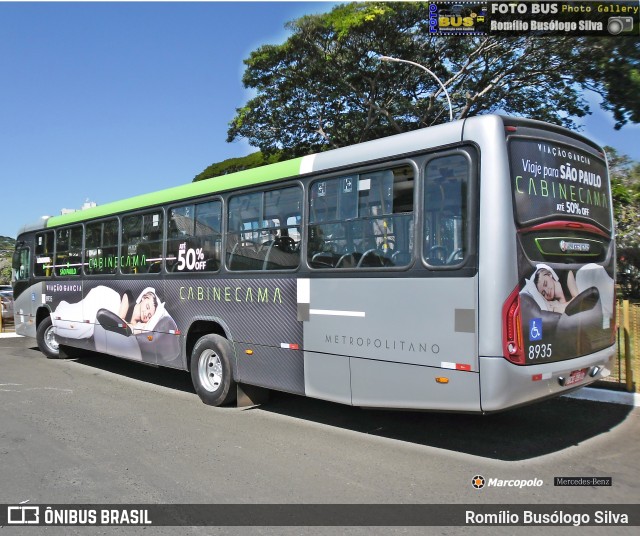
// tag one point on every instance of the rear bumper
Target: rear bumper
(504, 385)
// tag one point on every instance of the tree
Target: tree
(232, 165)
(325, 88)
(5, 270)
(7, 245)
(615, 75)
(625, 191)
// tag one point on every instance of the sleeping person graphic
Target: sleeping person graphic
(112, 323)
(545, 288)
(571, 312)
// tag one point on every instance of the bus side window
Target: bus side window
(261, 234)
(445, 228)
(362, 221)
(68, 251)
(21, 264)
(141, 247)
(194, 238)
(208, 232)
(179, 232)
(283, 214)
(44, 254)
(101, 248)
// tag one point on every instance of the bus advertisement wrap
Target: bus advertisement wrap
(133, 320)
(551, 179)
(566, 273)
(565, 313)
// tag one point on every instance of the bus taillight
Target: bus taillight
(512, 329)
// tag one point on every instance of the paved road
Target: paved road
(102, 430)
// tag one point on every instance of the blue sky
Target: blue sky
(102, 101)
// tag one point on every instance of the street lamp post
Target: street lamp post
(446, 93)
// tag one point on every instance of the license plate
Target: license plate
(576, 376)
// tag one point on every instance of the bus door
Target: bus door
(24, 301)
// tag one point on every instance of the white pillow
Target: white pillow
(531, 289)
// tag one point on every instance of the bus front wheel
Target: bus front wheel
(46, 338)
(211, 371)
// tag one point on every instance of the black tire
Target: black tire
(211, 371)
(46, 338)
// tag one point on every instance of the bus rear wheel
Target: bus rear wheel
(211, 371)
(46, 338)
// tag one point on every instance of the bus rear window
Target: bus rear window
(551, 180)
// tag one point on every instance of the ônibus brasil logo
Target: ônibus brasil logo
(479, 482)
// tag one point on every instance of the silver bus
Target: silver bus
(463, 267)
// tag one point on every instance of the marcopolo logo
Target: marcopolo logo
(480, 482)
(580, 247)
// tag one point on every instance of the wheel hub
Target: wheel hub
(50, 340)
(210, 370)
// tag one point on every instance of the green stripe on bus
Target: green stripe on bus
(249, 177)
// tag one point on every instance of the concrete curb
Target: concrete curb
(606, 395)
(8, 335)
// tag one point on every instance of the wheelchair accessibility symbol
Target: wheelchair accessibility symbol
(535, 329)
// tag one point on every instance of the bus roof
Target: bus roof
(222, 183)
(363, 152)
(396, 146)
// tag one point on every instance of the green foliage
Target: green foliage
(5, 270)
(232, 165)
(324, 87)
(625, 191)
(616, 76)
(7, 245)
